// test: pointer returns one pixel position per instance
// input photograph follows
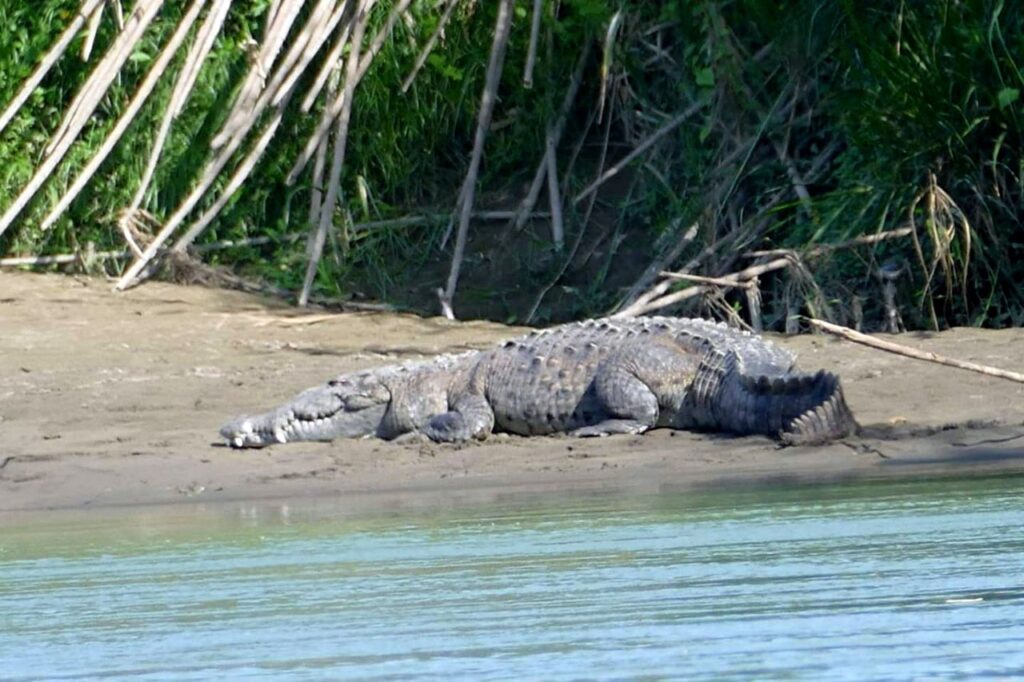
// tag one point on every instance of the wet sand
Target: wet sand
(110, 400)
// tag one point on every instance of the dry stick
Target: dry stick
(109, 68)
(554, 196)
(567, 261)
(317, 192)
(330, 65)
(662, 261)
(717, 281)
(340, 141)
(825, 249)
(640, 149)
(531, 52)
(128, 115)
(530, 200)
(276, 27)
(99, 80)
(494, 68)
(90, 35)
(735, 278)
(331, 112)
(186, 81)
(425, 52)
(48, 61)
(888, 346)
(214, 167)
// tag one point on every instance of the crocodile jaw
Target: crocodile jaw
(345, 408)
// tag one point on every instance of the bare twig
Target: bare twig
(737, 278)
(530, 200)
(661, 261)
(494, 68)
(717, 281)
(661, 132)
(425, 52)
(825, 249)
(55, 53)
(898, 349)
(91, 31)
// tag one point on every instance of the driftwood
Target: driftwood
(906, 351)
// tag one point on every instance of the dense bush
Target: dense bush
(815, 122)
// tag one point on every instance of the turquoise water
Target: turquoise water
(887, 581)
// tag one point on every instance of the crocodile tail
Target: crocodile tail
(796, 408)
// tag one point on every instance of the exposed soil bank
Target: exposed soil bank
(116, 400)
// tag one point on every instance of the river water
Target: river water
(885, 581)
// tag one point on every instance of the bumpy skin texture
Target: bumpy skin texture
(588, 379)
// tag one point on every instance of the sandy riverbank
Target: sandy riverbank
(116, 400)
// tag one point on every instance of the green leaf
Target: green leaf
(1008, 96)
(705, 77)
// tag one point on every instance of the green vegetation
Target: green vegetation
(814, 122)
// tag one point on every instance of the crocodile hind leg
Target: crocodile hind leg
(627, 404)
(470, 417)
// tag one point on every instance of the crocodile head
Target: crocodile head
(350, 406)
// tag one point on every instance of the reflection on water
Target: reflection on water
(882, 581)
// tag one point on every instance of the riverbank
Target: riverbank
(112, 400)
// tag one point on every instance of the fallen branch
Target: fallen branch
(898, 349)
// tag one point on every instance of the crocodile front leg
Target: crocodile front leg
(470, 417)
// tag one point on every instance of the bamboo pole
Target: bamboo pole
(531, 52)
(127, 117)
(326, 217)
(277, 24)
(186, 81)
(494, 67)
(214, 167)
(109, 68)
(83, 106)
(91, 31)
(421, 59)
(55, 53)
(907, 351)
(554, 195)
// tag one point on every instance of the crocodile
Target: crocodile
(592, 378)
